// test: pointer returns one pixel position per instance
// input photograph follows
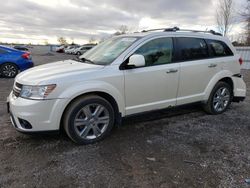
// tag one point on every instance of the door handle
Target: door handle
(172, 71)
(212, 65)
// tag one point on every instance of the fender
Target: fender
(220, 75)
(94, 86)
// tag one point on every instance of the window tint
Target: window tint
(219, 49)
(157, 51)
(192, 48)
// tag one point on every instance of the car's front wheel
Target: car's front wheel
(220, 98)
(9, 70)
(88, 119)
(78, 53)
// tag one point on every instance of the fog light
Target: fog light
(24, 124)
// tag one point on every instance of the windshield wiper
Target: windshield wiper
(87, 60)
(84, 60)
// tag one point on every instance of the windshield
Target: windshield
(106, 52)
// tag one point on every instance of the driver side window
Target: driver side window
(157, 52)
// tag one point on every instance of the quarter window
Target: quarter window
(219, 49)
(157, 52)
(192, 49)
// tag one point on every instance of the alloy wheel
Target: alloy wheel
(221, 99)
(91, 121)
(9, 70)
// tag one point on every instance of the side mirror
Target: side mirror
(136, 60)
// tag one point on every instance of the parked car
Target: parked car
(60, 49)
(126, 75)
(81, 50)
(12, 61)
(71, 49)
(66, 50)
(22, 48)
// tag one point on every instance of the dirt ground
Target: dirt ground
(181, 147)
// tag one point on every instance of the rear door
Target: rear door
(223, 55)
(155, 85)
(196, 69)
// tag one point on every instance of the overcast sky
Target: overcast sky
(38, 20)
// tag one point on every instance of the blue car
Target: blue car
(12, 61)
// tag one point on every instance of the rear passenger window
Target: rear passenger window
(157, 52)
(219, 49)
(192, 48)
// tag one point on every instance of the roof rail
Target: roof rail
(163, 29)
(175, 29)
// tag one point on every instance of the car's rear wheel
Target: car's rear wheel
(88, 119)
(9, 70)
(78, 53)
(220, 98)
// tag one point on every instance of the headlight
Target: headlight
(36, 92)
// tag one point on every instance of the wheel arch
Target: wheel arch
(11, 63)
(229, 81)
(102, 94)
(225, 76)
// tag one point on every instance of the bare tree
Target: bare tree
(224, 16)
(246, 17)
(123, 29)
(62, 40)
(72, 41)
(92, 40)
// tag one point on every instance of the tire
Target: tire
(219, 99)
(78, 53)
(9, 70)
(88, 119)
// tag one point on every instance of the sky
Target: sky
(37, 21)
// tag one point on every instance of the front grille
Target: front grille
(17, 89)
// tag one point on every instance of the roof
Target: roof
(8, 48)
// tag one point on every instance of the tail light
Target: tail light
(240, 61)
(26, 55)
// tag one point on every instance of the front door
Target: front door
(155, 85)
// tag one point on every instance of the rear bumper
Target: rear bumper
(239, 88)
(26, 65)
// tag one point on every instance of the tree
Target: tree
(246, 17)
(123, 29)
(72, 41)
(62, 40)
(92, 40)
(224, 16)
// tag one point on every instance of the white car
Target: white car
(71, 49)
(126, 75)
(67, 48)
(81, 50)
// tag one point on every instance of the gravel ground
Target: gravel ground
(181, 147)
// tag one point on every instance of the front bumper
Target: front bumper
(42, 115)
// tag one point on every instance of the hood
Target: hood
(53, 71)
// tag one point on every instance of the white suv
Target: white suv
(126, 75)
